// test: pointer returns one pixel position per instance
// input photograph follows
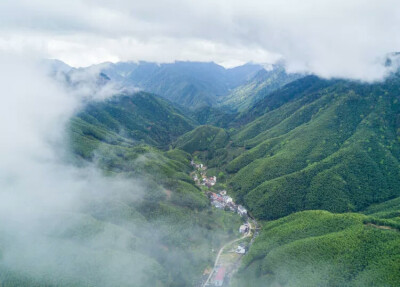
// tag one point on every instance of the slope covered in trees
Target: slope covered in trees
(318, 248)
(319, 144)
(318, 157)
(138, 117)
(189, 84)
(159, 232)
(258, 87)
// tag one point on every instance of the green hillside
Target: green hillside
(319, 144)
(219, 117)
(258, 87)
(139, 118)
(318, 248)
(203, 138)
(315, 161)
(190, 84)
(163, 237)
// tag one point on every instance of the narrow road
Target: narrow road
(220, 252)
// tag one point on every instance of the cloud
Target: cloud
(66, 222)
(47, 232)
(329, 38)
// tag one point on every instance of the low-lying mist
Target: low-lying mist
(47, 232)
(66, 221)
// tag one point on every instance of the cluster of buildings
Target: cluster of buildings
(203, 179)
(209, 181)
(219, 200)
(198, 166)
(222, 200)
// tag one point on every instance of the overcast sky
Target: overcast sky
(340, 38)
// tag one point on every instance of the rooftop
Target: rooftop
(220, 274)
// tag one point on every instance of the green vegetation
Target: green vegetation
(219, 117)
(318, 248)
(189, 84)
(164, 236)
(203, 138)
(258, 87)
(334, 148)
(320, 158)
(140, 118)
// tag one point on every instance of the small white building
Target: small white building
(240, 250)
(227, 199)
(217, 204)
(243, 228)
(222, 192)
(241, 210)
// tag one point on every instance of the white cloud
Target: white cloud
(42, 197)
(331, 38)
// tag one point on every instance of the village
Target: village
(219, 199)
(228, 258)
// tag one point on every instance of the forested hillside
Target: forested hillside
(163, 228)
(319, 248)
(258, 87)
(138, 117)
(319, 144)
(316, 161)
(189, 84)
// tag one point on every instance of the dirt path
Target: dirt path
(381, 226)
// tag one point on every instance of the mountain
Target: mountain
(258, 87)
(190, 84)
(203, 138)
(317, 159)
(160, 235)
(318, 144)
(315, 162)
(319, 248)
(193, 85)
(138, 117)
(55, 66)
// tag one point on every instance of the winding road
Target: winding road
(220, 252)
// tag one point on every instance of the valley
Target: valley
(307, 161)
(287, 183)
(230, 254)
(174, 143)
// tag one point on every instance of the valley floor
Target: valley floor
(229, 256)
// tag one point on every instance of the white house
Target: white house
(227, 199)
(241, 210)
(240, 250)
(243, 228)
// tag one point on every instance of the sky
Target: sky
(331, 38)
